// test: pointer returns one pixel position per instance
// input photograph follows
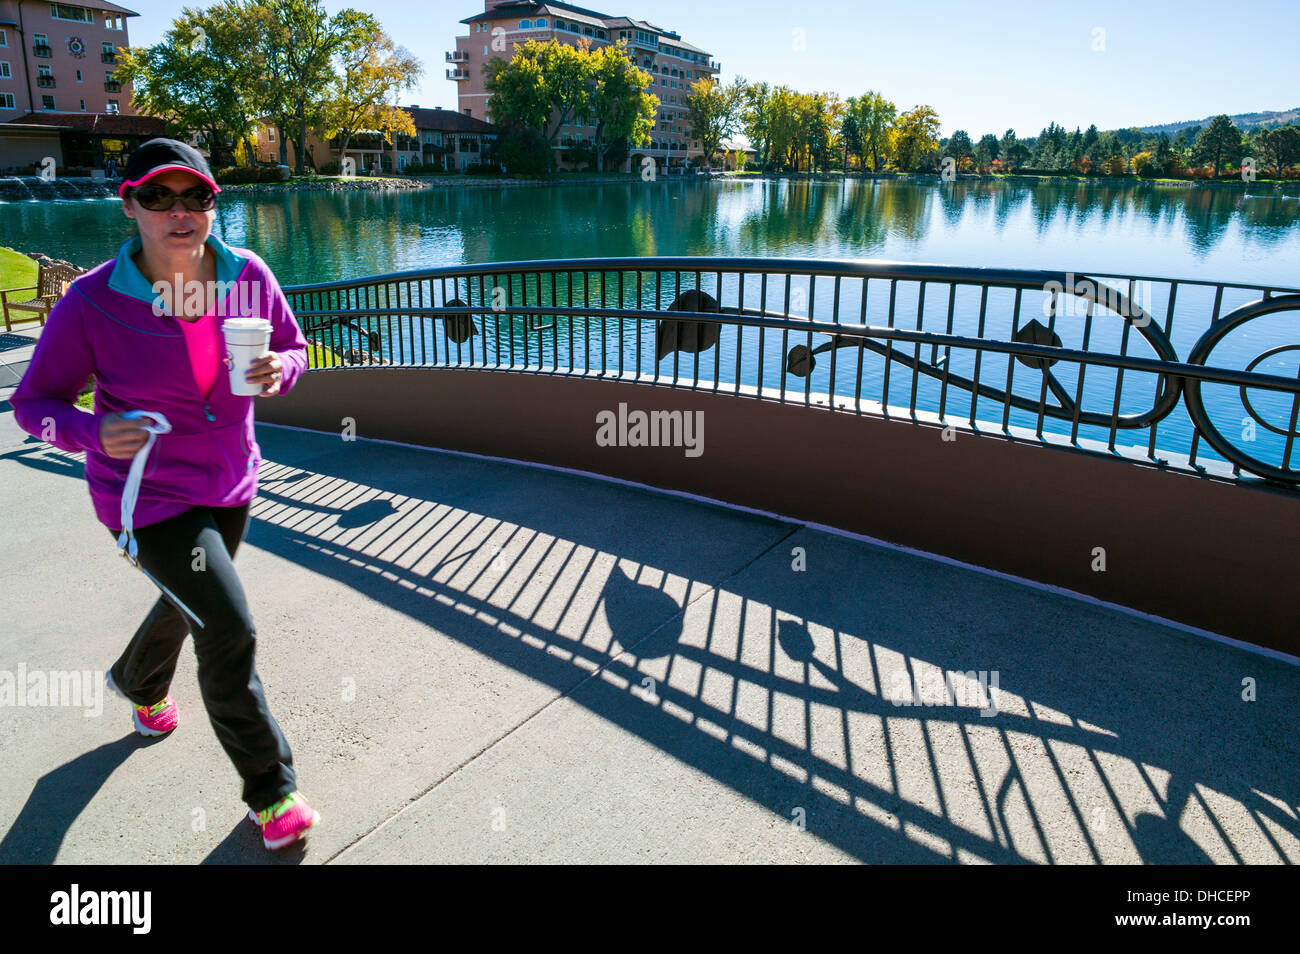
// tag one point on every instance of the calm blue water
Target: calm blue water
(1174, 232)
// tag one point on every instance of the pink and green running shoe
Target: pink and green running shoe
(157, 719)
(286, 821)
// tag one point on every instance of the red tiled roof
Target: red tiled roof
(444, 120)
(105, 124)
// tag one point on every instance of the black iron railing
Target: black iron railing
(1198, 375)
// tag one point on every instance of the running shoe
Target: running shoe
(157, 719)
(286, 821)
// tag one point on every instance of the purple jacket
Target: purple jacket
(105, 325)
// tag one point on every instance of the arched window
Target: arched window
(525, 24)
(588, 32)
(559, 24)
(540, 23)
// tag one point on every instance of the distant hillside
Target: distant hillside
(1243, 120)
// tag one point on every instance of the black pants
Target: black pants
(224, 644)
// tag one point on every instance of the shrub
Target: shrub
(524, 152)
(238, 175)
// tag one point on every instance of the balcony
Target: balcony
(45, 82)
(459, 73)
(112, 86)
(106, 57)
(41, 49)
(458, 56)
(715, 66)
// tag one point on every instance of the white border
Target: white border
(885, 544)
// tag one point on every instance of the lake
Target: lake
(1137, 229)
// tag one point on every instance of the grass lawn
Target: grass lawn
(16, 269)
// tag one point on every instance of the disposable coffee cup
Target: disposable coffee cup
(247, 339)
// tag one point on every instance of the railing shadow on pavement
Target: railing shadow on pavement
(1108, 745)
(1055, 716)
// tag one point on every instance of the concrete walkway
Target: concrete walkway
(480, 661)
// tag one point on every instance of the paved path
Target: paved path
(480, 661)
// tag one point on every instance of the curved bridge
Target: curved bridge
(1046, 424)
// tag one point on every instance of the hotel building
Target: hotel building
(445, 140)
(58, 94)
(673, 64)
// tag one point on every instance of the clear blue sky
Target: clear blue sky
(983, 67)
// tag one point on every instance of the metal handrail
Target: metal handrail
(454, 303)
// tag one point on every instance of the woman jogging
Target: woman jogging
(171, 454)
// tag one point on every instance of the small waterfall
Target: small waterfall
(13, 189)
(30, 188)
(40, 188)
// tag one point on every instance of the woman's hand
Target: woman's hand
(121, 436)
(266, 372)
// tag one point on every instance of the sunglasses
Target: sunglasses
(158, 199)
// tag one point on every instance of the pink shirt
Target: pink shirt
(201, 337)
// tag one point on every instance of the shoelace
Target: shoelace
(157, 707)
(278, 809)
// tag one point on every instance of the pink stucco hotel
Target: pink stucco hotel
(59, 96)
(672, 63)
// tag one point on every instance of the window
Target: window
(588, 31)
(525, 24)
(600, 34)
(467, 111)
(79, 76)
(270, 133)
(4, 70)
(47, 102)
(485, 50)
(44, 71)
(83, 105)
(112, 107)
(4, 40)
(40, 39)
(60, 12)
(559, 24)
(539, 23)
(7, 100)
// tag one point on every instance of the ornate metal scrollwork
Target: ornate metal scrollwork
(1196, 405)
(801, 361)
(690, 337)
(458, 328)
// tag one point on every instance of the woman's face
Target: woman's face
(161, 230)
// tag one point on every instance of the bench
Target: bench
(51, 282)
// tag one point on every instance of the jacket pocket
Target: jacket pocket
(186, 467)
